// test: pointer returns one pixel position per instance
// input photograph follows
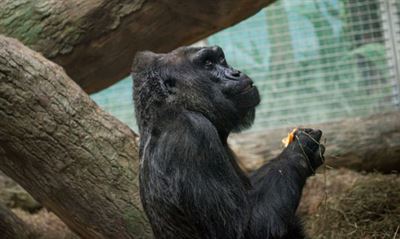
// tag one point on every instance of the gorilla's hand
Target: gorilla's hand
(307, 143)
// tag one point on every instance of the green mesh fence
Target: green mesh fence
(118, 101)
(313, 61)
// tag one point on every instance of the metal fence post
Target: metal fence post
(391, 16)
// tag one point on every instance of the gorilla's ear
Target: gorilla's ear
(142, 60)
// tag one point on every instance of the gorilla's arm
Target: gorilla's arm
(275, 196)
(203, 186)
(277, 188)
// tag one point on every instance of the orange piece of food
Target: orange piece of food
(286, 141)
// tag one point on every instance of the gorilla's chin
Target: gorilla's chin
(245, 121)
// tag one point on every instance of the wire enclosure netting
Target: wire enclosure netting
(118, 101)
(313, 61)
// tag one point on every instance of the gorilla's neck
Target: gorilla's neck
(156, 118)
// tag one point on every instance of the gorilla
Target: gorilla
(187, 103)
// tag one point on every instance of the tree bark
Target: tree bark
(95, 40)
(363, 143)
(71, 156)
(11, 226)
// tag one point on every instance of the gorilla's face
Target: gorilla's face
(198, 80)
(233, 84)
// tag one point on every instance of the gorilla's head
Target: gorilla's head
(193, 79)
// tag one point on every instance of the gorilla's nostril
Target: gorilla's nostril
(232, 74)
(235, 73)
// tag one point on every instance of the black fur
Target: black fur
(187, 102)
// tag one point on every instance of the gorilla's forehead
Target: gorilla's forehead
(177, 58)
(181, 53)
(188, 51)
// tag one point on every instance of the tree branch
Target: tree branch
(95, 40)
(71, 156)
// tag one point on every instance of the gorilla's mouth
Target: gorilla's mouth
(242, 92)
(248, 97)
(247, 89)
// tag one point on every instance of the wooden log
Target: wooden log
(363, 143)
(95, 40)
(72, 157)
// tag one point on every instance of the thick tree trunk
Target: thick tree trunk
(71, 156)
(12, 226)
(364, 143)
(95, 40)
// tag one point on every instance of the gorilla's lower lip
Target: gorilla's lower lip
(247, 89)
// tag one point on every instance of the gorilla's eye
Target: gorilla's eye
(208, 63)
(222, 60)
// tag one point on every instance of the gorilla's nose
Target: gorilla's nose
(233, 74)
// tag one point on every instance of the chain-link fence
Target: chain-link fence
(313, 61)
